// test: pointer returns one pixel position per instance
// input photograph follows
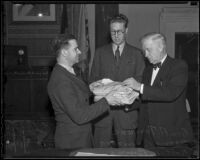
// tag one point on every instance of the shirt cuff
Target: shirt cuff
(141, 88)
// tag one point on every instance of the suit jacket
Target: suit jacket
(163, 104)
(131, 64)
(70, 100)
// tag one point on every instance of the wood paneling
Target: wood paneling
(25, 93)
(17, 95)
(36, 46)
(37, 37)
(39, 48)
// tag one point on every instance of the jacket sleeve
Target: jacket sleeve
(171, 88)
(80, 112)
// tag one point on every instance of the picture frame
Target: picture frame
(33, 13)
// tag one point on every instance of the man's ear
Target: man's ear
(126, 31)
(161, 47)
(64, 52)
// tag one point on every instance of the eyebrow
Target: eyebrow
(76, 47)
(118, 30)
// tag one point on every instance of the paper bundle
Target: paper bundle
(124, 94)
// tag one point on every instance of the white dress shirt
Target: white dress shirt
(154, 74)
(121, 47)
(155, 71)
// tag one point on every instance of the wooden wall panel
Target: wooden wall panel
(40, 101)
(36, 36)
(17, 95)
(36, 46)
(25, 92)
(39, 48)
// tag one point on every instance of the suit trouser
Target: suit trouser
(180, 150)
(148, 139)
(103, 134)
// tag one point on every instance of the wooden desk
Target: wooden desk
(161, 152)
(127, 152)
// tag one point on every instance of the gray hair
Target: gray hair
(154, 37)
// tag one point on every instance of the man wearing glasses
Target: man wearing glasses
(117, 61)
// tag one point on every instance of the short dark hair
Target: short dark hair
(120, 18)
(61, 41)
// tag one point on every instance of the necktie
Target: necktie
(157, 65)
(117, 54)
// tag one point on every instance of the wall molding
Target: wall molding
(34, 29)
(174, 20)
(31, 36)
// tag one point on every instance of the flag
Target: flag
(75, 21)
(84, 45)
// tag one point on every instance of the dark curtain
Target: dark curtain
(103, 13)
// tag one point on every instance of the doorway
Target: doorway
(186, 48)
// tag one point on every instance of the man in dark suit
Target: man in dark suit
(70, 98)
(163, 118)
(117, 61)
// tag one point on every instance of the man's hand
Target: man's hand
(97, 98)
(131, 82)
(112, 100)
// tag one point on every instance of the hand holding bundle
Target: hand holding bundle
(120, 92)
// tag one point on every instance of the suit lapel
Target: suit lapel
(124, 56)
(110, 52)
(164, 68)
(73, 77)
(148, 74)
(124, 52)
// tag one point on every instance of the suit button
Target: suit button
(126, 109)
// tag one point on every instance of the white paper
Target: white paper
(106, 81)
(188, 106)
(92, 154)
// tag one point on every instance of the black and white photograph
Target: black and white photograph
(99, 79)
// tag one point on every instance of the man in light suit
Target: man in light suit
(163, 118)
(69, 96)
(117, 61)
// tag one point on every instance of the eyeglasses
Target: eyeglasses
(119, 32)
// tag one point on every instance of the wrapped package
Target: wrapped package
(124, 94)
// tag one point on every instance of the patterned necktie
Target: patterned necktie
(157, 65)
(117, 54)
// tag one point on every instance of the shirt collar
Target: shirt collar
(163, 59)
(68, 68)
(121, 47)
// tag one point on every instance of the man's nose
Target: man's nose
(116, 34)
(146, 54)
(79, 52)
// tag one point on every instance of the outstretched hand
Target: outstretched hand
(131, 82)
(112, 100)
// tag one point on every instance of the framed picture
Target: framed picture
(33, 12)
